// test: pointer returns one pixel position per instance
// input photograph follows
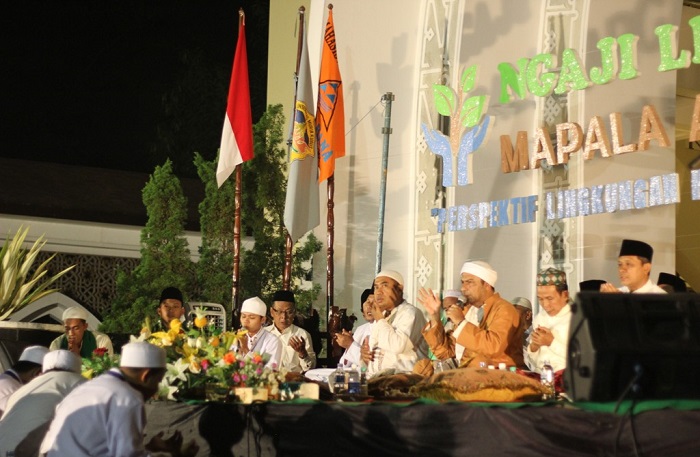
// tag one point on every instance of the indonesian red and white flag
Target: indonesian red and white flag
(237, 135)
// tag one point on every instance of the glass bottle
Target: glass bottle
(547, 380)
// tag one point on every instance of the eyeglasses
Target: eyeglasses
(288, 312)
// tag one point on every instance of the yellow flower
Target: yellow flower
(87, 374)
(201, 320)
(169, 337)
(194, 366)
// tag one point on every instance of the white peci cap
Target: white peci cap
(75, 312)
(481, 270)
(254, 305)
(63, 360)
(142, 355)
(395, 275)
(34, 354)
(451, 293)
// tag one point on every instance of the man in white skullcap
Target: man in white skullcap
(395, 343)
(105, 416)
(27, 367)
(486, 331)
(31, 408)
(258, 340)
(78, 339)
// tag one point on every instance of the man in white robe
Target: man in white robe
(298, 355)
(24, 370)
(31, 408)
(395, 342)
(257, 340)
(352, 342)
(550, 335)
(105, 416)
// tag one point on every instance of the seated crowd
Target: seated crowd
(471, 327)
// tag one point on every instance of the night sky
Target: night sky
(94, 82)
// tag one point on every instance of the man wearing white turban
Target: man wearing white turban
(486, 331)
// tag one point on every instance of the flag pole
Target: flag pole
(330, 238)
(289, 244)
(235, 295)
(386, 131)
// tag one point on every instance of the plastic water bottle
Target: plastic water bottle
(547, 380)
(353, 380)
(339, 386)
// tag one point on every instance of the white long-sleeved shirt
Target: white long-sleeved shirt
(648, 288)
(290, 359)
(264, 342)
(555, 353)
(104, 416)
(351, 356)
(33, 405)
(397, 340)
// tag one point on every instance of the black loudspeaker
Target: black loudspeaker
(645, 346)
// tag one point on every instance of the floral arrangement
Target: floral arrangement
(203, 356)
(98, 363)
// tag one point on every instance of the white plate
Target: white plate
(319, 374)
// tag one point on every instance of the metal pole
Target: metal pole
(386, 131)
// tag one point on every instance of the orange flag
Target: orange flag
(330, 112)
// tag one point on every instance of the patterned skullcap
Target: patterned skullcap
(551, 277)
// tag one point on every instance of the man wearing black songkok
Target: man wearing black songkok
(634, 269)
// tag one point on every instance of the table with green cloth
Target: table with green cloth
(428, 428)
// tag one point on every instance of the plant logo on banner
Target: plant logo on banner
(466, 132)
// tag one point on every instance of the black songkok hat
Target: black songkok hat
(672, 280)
(638, 248)
(171, 292)
(284, 295)
(592, 285)
(366, 293)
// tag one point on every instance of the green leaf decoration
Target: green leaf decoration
(472, 109)
(468, 78)
(21, 281)
(445, 99)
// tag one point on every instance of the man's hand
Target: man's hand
(366, 353)
(243, 345)
(344, 339)
(542, 336)
(430, 302)
(455, 314)
(298, 344)
(609, 288)
(377, 312)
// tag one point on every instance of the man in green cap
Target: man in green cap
(550, 334)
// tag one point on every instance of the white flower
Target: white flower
(137, 339)
(166, 391)
(176, 371)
